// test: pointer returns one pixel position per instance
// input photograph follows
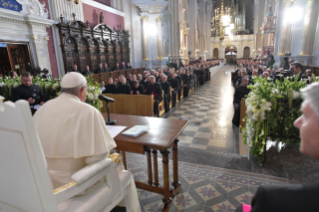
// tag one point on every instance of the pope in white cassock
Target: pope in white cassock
(73, 133)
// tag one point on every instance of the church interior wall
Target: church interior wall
(134, 25)
(315, 58)
(92, 14)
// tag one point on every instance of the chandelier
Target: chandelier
(221, 23)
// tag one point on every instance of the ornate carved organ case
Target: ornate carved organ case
(83, 46)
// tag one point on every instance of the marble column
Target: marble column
(306, 29)
(202, 29)
(209, 16)
(284, 33)
(159, 39)
(175, 9)
(146, 50)
(192, 20)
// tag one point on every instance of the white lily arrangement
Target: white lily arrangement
(271, 111)
(51, 88)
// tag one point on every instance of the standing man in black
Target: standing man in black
(174, 64)
(75, 69)
(106, 68)
(99, 70)
(187, 83)
(87, 71)
(240, 93)
(175, 85)
(28, 92)
(122, 66)
(155, 89)
(166, 86)
(297, 70)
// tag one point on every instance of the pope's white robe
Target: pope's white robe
(73, 134)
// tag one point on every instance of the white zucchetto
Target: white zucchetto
(72, 80)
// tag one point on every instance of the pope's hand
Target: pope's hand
(31, 100)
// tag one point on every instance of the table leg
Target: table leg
(124, 159)
(149, 166)
(155, 167)
(175, 183)
(167, 200)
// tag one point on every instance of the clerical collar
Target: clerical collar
(70, 95)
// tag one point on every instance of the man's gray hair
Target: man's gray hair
(74, 91)
(311, 94)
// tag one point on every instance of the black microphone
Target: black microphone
(106, 99)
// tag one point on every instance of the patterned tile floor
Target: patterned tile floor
(210, 112)
(204, 188)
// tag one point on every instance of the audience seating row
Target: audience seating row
(115, 74)
(141, 105)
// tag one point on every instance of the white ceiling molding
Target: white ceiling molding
(103, 7)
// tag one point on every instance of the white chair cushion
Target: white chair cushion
(96, 200)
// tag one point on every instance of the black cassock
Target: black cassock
(175, 85)
(25, 92)
(187, 82)
(179, 78)
(156, 90)
(240, 92)
(166, 86)
(124, 89)
(140, 89)
(111, 88)
(99, 70)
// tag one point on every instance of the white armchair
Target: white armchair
(24, 180)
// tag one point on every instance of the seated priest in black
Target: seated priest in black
(166, 86)
(123, 87)
(102, 86)
(187, 83)
(175, 86)
(129, 79)
(74, 69)
(106, 68)
(192, 75)
(128, 66)
(46, 75)
(158, 77)
(155, 89)
(140, 78)
(110, 88)
(87, 72)
(240, 93)
(137, 89)
(117, 67)
(122, 66)
(28, 92)
(116, 82)
(99, 69)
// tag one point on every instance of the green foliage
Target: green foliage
(272, 109)
(52, 89)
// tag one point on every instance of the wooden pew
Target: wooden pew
(141, 105)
